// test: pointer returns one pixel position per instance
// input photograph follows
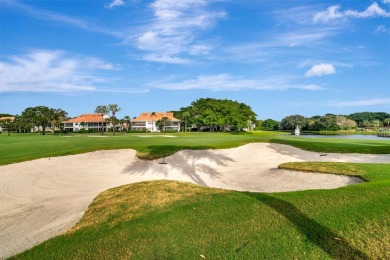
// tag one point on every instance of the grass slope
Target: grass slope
(173, 220)
(22, 147)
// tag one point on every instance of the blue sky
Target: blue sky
(279, 57)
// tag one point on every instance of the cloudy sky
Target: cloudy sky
(280, 57)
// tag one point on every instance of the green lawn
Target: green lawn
(172, 220)
(22, 147)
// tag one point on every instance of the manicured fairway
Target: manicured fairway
(17, 148)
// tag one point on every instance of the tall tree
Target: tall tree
(291, 122)
(269, 125)
(7, 125)
(57, 116)
(218, 114)
(163, 123)
(185, 115)
(127, 121)
(102, 110)
(113, 108)
(39, 116)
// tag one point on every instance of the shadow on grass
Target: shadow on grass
(334, 245)
(187, 164)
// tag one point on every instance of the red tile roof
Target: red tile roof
(87, 118)
(12, 118)
(147, 116)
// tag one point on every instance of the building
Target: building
(89, 122)
(5, 119)
(147, 122)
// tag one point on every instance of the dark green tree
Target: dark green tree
(291, 122)
(221, 114)
(269, 125)
(57, 116)
(7, 125)
(39, 117)
(368, 116)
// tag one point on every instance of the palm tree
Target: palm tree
(83, 124)
(102, 110)
(387, 121)
(127, 120)
(185, 115)
(164, 122)
(113, 108)
(153, 114)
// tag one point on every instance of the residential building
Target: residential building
(90, 122)
(6, 118)
(147, 122)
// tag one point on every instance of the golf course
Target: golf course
(256, 195)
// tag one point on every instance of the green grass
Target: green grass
(366, 171)
(336, 145)
(173, 220)
(22, 147)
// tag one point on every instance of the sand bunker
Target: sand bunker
(43, 198)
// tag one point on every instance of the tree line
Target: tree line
(205, 114)
(328, 122)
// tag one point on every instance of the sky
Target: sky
(281, 58)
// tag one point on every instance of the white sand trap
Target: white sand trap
(43, 198)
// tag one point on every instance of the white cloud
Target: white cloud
(386, 1)
(175, 28)
(333, 12)
(226, 82)
(53, 71)
(165, 59)
(382, 29)
(330, 14)
(320, 70)
(367, 102)
(46, 15)
(115, 3)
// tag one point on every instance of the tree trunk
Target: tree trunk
(113, 125)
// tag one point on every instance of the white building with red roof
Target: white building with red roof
(6, 119)
(147, 122)
(91, 122)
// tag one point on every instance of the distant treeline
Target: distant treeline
(328, 122)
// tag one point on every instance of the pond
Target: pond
(363, 137)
